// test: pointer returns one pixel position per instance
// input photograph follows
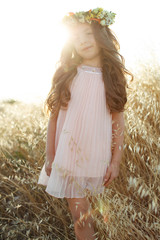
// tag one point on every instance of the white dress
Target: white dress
(83, 139)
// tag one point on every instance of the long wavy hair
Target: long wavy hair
(113, 71)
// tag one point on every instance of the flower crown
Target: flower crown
(103, 17)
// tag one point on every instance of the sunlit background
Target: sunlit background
(31, 40)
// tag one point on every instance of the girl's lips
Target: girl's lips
(86, 48)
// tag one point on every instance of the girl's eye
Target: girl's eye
(89, 33)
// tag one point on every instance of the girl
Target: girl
(86, 124)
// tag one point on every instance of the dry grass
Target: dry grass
(128, 210)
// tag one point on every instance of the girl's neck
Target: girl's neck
(92, 64)
(89, 67)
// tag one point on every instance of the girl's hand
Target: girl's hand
(48, 166)
(111, 173)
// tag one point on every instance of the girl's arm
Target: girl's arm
(50, 143)
(117, 147)
(118, 126)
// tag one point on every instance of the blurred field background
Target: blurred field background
(129, 207)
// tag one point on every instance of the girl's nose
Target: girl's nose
(82, 41)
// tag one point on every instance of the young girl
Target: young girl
(86, 124)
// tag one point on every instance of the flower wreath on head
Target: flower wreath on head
(100, 15)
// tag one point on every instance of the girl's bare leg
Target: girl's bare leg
(83, 222)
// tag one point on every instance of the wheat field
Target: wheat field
(129, 208)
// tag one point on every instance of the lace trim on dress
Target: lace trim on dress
(90, 69)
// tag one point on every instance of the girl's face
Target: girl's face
(84, 42)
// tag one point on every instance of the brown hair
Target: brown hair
(113, 71)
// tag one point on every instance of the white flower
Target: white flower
(82, 20)
(102, 22)
(101, 15)
(95, 10)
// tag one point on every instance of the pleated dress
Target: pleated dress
(83, 139)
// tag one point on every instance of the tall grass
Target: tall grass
(129, 207)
